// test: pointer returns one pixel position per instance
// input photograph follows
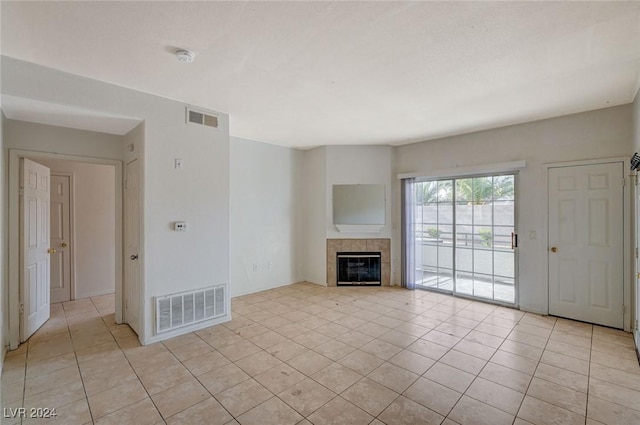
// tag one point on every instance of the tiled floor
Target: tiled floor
(309, 354)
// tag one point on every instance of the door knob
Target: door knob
(554, 249)
(133, 257)
(51, 251)
(63, 244)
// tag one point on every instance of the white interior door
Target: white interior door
(60, 238)
(132, 245)
(586, 249)
(35, 248)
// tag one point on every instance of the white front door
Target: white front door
(35, 248)
(586, 251)
(132, 246)
(60, 238)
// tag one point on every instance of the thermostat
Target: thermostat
(180, 226)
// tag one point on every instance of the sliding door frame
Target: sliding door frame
(454, 291)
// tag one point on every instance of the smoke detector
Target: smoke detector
(185, 55)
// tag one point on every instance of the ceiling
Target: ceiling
(304, 74)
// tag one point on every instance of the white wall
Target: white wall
(198, 193)
(359, 165)
(604, 133)
(38, 137)
(266, 213)
(3, 246)
(315, 215)
(94, 225)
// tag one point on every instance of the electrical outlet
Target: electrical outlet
(180, 226)
(178, 164)
(255, 267)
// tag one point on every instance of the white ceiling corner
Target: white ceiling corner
(303, 74)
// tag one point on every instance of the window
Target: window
(462, 233)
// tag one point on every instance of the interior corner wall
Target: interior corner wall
(266, 233)
(315, 216)
(93, 228)
(604, 133)
(329, 165)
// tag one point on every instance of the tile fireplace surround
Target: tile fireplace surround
(358, 245)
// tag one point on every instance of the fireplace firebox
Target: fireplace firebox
(359, 268)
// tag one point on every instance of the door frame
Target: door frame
(516, 251)
(626, 229)
(13, 299)
(72, 230)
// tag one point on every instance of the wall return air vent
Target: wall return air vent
(187, 308)
(201, 118)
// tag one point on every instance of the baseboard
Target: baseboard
(266, 288)
(186, 330)
(94, 294)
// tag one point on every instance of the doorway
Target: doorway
(82, 229)
(14, 296)
(464, 236)
(586, 222)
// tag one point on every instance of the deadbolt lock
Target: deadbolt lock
(63, 244)
(554, 249)
(51, 251)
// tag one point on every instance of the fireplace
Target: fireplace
(359, 268)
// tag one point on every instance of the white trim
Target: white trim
(501, 167)
(626, 220)
(359, 228)
(14, 224)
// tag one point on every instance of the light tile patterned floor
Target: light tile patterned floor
(309, 354)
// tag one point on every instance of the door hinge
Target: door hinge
(624, 309)
(636, 325)
(636, 252)
(126, 184)
(624, 182)
(21, 309)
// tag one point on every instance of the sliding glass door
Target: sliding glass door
(464, 236)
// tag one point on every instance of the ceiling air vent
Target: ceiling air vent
(201, 118)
